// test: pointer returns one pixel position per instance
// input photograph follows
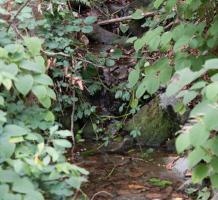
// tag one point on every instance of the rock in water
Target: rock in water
(155, 124)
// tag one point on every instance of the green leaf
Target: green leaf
(211, 64)
(214, 163)
(24, 84)
(46, 102)
(182, 78)
(133, 77)
(166, 38)
(183, 142)
(110, 62)
(158, 3)
(90, 20)
(43, 79)
(212, 91)
(214, 180)
(196, 156)
(34, 195)
(124, 27)
(198, 85)
(49, 117)
(198, 134)
(62, 143)
(181, 43)
(200, 172)
(8, 176)
(87, 29)
(138, 14)
(63, 133)
(141, 89)
(14, 130)
(33, 44)
(23, 185)
(189, 96)
(76, 182)
(31, 66)
(7, 149)
(39, 91)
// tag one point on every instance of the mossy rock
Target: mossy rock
(155, 124)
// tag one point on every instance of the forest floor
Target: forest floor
(133, 176)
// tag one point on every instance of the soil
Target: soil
(127, 177)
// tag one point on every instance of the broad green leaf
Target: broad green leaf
(51, 93)
(31, 66)
(39, 91)
(196, 156)
(7, 149)
(63, 143)
(87, 29)
(46, 102)
(212, 91)
(23, 185)
(214, 164)
(158, 3)
(110, 62)
(198, 134)
(166, 38)
(76, 182)
(138, 14)
(183, 142)
(182, 78)
(8, 176)
(34, 195)
(49, 117)
(200, 172)
(14, 130)
(53, 153)
(198, 85)
(90, 20)
(181, 43)
(33, 44)
(43, 79)
(141, 89)
(133, 77)
(189, 96)
(211, 64)
(24, 84)
(214, 180)
(63, 133)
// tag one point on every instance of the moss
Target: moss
(155, 124)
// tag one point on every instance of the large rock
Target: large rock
(155, 123)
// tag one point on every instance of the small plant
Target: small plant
(159, 183)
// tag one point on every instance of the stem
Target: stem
(72, 120)
(18, 12)
(120, 19)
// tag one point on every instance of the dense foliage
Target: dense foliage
(188, 67)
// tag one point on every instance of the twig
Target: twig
(120, 19)
(72, 119)
(52, 54)
(18, 12)
(96, 194)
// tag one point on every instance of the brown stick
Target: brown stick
(120, 19)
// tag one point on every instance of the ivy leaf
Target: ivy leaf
(39, 91)
(200, 172)
(24, 84)
(182, 42)
(138, 14)
(33, 44)
(196, 156)
(133, 77)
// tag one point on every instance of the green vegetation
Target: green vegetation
(60, 88)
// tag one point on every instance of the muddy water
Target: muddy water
(119, 177)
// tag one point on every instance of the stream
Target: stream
(132, 177)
